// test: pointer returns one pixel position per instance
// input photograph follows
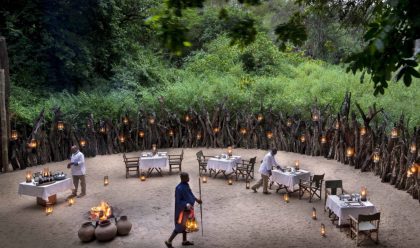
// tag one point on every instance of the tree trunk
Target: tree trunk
(3, 124)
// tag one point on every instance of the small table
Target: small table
(45, 194)
(224, 165)
(342, 209)
(287, 180)
(156, 162)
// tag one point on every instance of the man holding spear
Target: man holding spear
(184, 200)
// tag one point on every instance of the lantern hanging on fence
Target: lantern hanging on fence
(260, 117)
(413, 147)
(413, 168)
(151, 120)
(337, 125)
(216, 130)
(302, 138)
(323, 139)
(289, 122)
(187, 118)
(376, 156)
(32, 143)
(409, 172)
(102, 130)
(362, 131)
(286, 197)
(395, 133)
(204, 179)
(171, 132)
(313, 213)
(13, 135)
(315, 116)
(230, 151)
(121, 138)
(71, 201)
(247, 184)
(350, 152)
(141, 134)
(363, 193)
(198, 136)
(60, 125)
(269, 134)
(323, 234)
(49, 209)
(28, 176)
(125, 120)
(106, 180)
(82, 142)
(242, 130)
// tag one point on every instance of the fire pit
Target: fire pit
(101, 212)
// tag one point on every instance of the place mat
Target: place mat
(355, 204)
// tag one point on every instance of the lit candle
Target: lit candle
(154, 148)
(48, 209)
(297, 164)
(363, 193)
(230, 182)
(71, 201)
(286, 197)
(204, 179)
(106, 180)
(142, 178)
(313, 213)
(229, 150)
(28, 176)
(323, 230)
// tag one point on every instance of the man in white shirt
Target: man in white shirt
(265, 169)
(78, 170)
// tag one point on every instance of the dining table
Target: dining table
(45, 194)
(223, 164)
(150, 162)
(288, 179)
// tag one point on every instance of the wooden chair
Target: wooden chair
(331, 188)
(313, 187)
(245, 169)
(131, 164)
(366, 225)
(202, 162)
(175, 161)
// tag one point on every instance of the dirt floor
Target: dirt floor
(233, 216)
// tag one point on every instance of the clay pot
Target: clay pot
(105, 231)
(86, 232)
(123, 226)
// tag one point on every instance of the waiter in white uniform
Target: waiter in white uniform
(265, 169)
(78, 170)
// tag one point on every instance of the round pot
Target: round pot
(86, 232)
(105, 231)
(123, 226)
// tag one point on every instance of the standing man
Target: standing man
(265, 169)
(184, 200)
(78, 171)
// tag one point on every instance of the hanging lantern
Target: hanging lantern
(363, 193)
(125, 120)
(409, 172)
(260, 117)
(32, 143)
(323, 139)
(121, 138)
(60, 125)
(171, 132)
(269, 134)
(102, 130)
(71, 201)
(242, 130)
(413, 168)
(323, 234)
(313, 213)
(286, 197)
(337, 125)
(302, 138)
(289, 122)
(142, 177)
(376, 156)
(106, 180)
(204, 179)
(28, 176)
(394, 133)
(216, 130)
(413, 147)
(187, 118)
(229, 151)
(315, 116)
(198, 136)
(247, 184)
(350, 152)
(14, 135)
(230, 182)
(297, 164)
(151, 120)
(88, 124)
(82, 142)
(362, 131)
(141, 134)
(49, 209)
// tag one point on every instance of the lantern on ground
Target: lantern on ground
(28, 176)
(260, 117)
(142, 177)
(247, 184)
(313, 213)
(151, 120)
(204, 179)
(323, 234)
(32, 143)
(302, 138)
(362, 131)
(395, 133)
(350, 152)
(323, 139)
(154, 149)
(363, 193)
(242, 130)
(106, 180)
(230, 181)
(229, 151)
(413, 147)
(102, 130)
(286, 197)
(49, 209)
(198, 136)
(141, 134)
(297, 164)
(121, 138)
(71, 201)
(269, 134)
(14, 135)
(216, 130)
(337, 125)
(187, 118)
(60, 125)
(171, 132)
(289, 122)
(125, 120)
(376, 156)
(82, 142)
(315, 116)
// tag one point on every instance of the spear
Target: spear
(201, 207)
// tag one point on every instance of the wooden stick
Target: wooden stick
(3, 123)
(201, 207)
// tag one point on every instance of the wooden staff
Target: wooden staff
(201, 207)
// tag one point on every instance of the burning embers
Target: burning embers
(101, 212)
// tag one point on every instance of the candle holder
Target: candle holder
(106, 181)
(363, 194)
(28, 176)
(230, 182)
(286, 197)
(71, 201)
(323, 233)
(313, 213)
(204, 179)
(49, 209)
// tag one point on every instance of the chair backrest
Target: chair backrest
(125, 157)
(251, 164)
(334, 185)
(200, 155)
(317, 179)
(182, 154)
(369, 217)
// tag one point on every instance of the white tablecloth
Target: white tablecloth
(289, 179)
(146, 163)
(226, 165)
(343, 210)
(45, 191)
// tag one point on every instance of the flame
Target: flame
(101, 212)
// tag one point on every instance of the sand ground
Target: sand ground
(233, 216)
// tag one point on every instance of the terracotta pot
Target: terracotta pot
(105, 231)
(86, 232)
(123, 226)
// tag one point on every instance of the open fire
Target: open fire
(101, 212)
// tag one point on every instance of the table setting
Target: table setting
(153, 161)
(223, 163)
(288, 177)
